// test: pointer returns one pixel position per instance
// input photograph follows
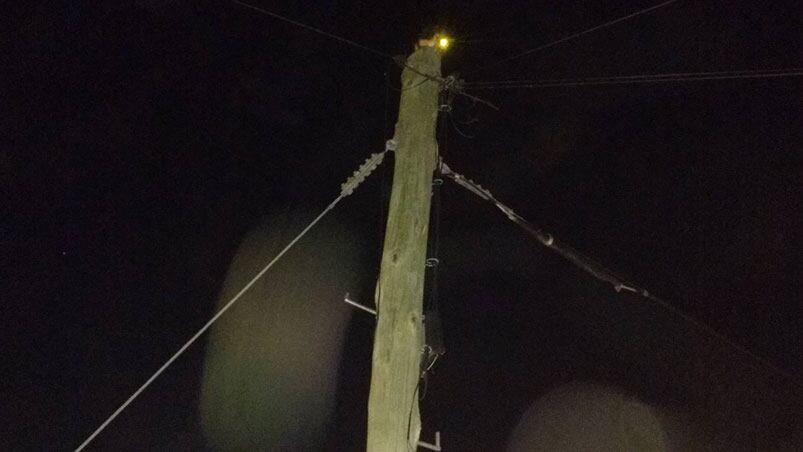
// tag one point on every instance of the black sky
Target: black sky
(142, 142)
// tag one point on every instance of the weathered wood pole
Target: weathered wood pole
(393, 420)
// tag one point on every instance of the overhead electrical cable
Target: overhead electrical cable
(634, 79)
(601, 273)
(638, 76)
(449, 84)
(314, 29)
(350, 42)
(570, 37)
(346, 189)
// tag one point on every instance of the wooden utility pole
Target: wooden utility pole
(393, 420)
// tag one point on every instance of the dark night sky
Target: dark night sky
(142, 142)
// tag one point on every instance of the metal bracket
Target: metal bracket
(357, 305)
(436, 446)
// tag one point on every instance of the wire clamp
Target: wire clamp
(432, 262)
(390, 145)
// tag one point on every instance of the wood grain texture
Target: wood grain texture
(393, 420)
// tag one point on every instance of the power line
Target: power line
(573, 36)
(608, 77)
(346, 189)
(399, 61)
(355, 44)
(314, 29)
(601, 273)
(636, 79)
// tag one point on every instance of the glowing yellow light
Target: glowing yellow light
(443, 43)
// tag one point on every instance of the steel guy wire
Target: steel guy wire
(346, 189)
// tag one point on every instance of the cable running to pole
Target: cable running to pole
(573, 36)
(400, 62)
(346, 189)
(636, 79)
(598, 271)
(313, 29)
(625, 77)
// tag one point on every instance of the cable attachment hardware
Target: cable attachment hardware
(390, 145)
(371, 163)
(452, 83)
(467, 183)
(432, 262)
(506, 210)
